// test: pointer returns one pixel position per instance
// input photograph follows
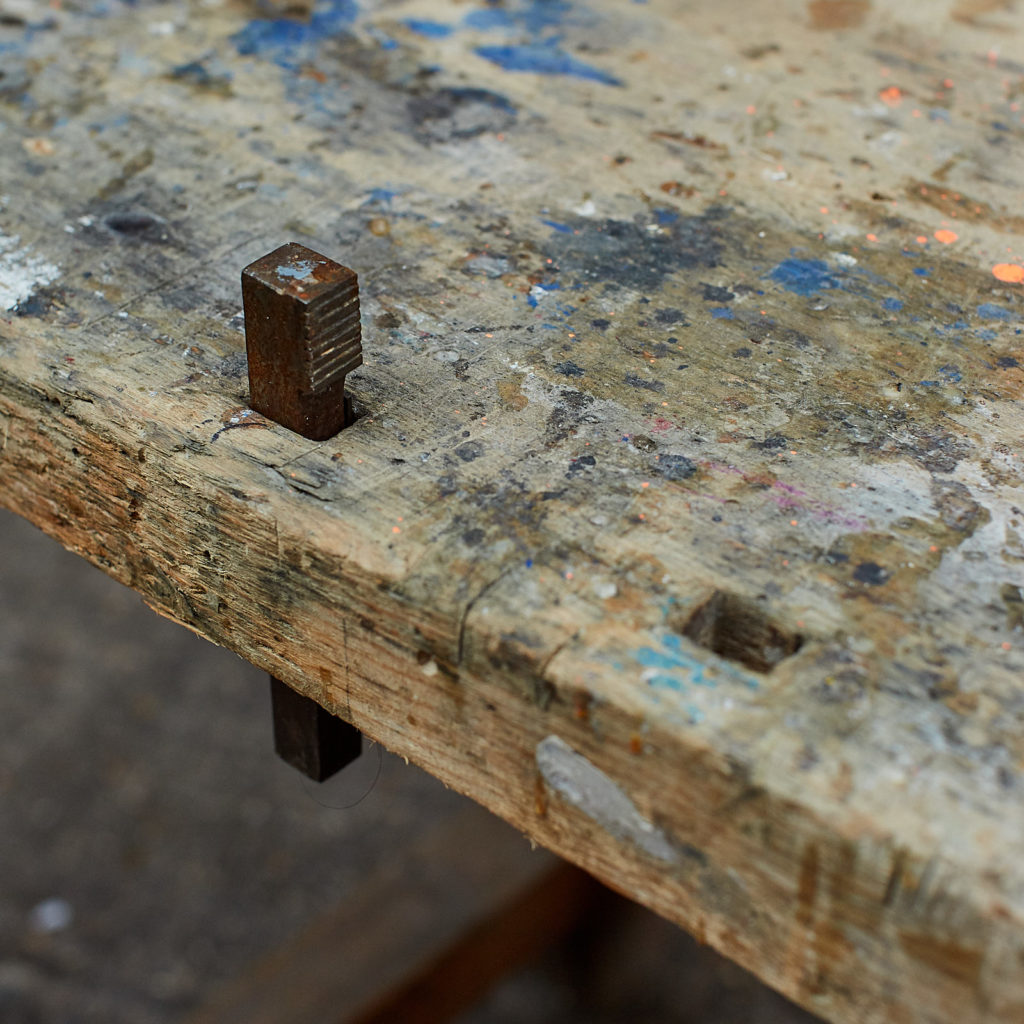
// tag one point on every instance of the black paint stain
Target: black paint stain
(871, 573)
(674, 467)
(624, 253)
(670, 317)
(449, 114)
(712, 293)
(469, 451)
(578, 465)
(641, 382)
(570, 369)
(773, 442)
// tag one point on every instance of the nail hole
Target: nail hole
(738, 628)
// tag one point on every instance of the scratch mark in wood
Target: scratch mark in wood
(469, 607)
(892, 886)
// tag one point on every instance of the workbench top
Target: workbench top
(682, 523)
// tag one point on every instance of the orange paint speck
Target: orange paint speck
(1005, 646)
(396, 529)
(921, 240)
(751, 109)
(1011, 273)
(872, 238)
(645, 484)
(945, 236)
(891, 96)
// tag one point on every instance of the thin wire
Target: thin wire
(311, 789)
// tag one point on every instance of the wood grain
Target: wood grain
(681, 526)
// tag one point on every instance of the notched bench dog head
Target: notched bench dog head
(302, 338)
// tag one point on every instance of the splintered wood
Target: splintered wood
(681, 521)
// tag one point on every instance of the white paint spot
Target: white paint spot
(589, 790)
(586, 209)
(844, 259)
(605, 589)
(430, 668)
(52, 915)
(21, 273)
(300, 270)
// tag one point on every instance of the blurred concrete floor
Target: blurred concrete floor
(152, 846)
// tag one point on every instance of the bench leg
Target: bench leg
(309, 738)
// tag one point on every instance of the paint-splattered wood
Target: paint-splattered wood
(683, 524)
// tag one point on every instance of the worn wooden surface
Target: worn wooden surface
(687, 326)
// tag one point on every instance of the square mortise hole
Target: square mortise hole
(737, 628)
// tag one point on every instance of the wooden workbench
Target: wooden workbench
(682, 523)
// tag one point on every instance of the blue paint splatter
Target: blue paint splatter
(534, 17)
(805, 277)
(544, 59)
(665, 215)
(300, 271)
(541, 290)
(380, 195)
(951, 372)
(986, 334)
(723, 313)
(671, 658)
(922, 272)
(430, 29)
(893, 305)
(563, 228)
(668, 682)
(990, 311)
(283, 39)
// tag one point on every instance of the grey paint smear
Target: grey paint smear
(589, 790)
